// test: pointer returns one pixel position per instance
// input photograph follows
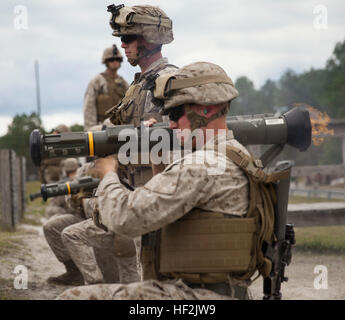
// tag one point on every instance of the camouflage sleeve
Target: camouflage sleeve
(165, 198)
(90, 111)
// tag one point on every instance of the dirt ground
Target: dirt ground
(34, 253)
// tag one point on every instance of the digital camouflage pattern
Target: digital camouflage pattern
(80, 240)
(91, 248)
(111, 52)
(70, 165)
(50, 170)
(205, 94)
(99, 87)
(151, 33)
(57, 206)
(137, 104)
(52, 230)
(168, 196)
(146, 290)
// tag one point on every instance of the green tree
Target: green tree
(77, 128)
(17, 137)
(333, 94)
(245, 102)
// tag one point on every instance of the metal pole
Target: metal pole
(38, 98)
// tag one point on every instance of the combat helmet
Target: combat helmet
(148, 21)
(70, 165)
(200, 83)
(110, 53)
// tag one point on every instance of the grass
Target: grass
(329, 239)
(10, 241)
(34, 209)
(321, 239)
(298, 199)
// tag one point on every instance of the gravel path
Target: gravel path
(35, 254)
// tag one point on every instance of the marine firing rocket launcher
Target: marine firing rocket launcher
(291, 128)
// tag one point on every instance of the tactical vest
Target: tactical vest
(104, 101)
(205, 247)
(131, 109)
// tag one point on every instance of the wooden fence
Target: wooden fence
(12, 189)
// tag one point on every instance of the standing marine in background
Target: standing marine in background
(105, 90)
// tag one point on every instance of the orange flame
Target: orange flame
(319, 122)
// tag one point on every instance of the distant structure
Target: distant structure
(38, 97)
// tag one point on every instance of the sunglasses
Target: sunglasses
(129, 38)
(114, 59)
(176, 113)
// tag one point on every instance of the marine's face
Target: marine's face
(113, 64)
(130, 45)
(179, 120)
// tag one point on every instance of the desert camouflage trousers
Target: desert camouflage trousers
(147, 290)
(92, 250)
(53, 229)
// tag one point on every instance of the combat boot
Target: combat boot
(72, 276)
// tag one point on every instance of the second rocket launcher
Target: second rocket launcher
(291, 128)
(73, 187)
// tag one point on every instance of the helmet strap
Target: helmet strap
(198, 121)
(143, 52)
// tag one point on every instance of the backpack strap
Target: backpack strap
(253, 166)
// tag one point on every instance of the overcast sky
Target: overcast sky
(259, 39)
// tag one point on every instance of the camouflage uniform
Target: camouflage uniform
(92, 249)
(135, 107)
(165, 198)
(58, 205)
(184, 186)
(103, 92)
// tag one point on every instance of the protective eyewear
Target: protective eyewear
(176, 113)
(129, 38)
(114, 59)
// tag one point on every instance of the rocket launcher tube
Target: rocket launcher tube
(292, 128)
(72, 187)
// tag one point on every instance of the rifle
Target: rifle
(280, 252)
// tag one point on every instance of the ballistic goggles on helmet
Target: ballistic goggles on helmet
(125, 16)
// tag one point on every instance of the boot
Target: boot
(71, 277)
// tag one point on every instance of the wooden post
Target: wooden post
(12, 189)
(6, 217)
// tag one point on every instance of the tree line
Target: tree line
(323, 89)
